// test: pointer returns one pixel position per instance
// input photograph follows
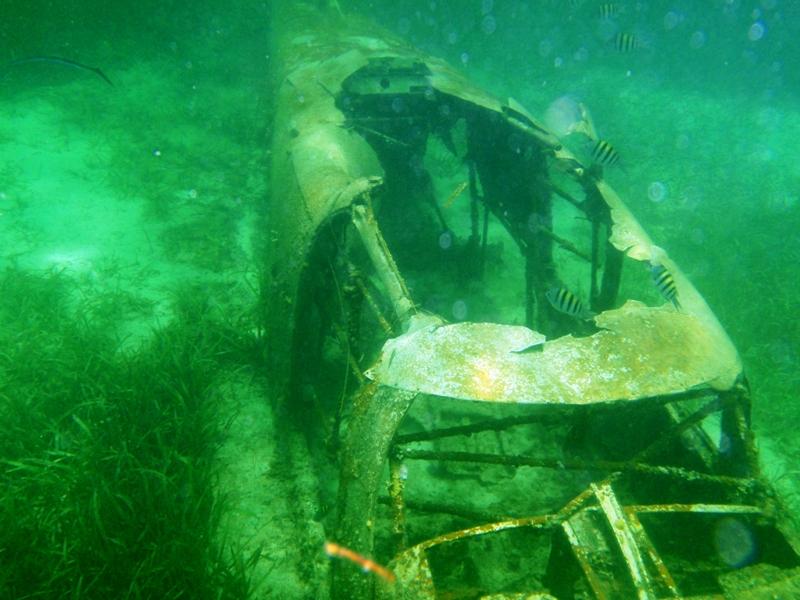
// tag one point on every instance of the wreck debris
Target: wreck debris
(619, 439)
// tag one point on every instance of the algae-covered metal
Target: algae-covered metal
(639, 409)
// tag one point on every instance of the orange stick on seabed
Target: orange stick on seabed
(367, 564)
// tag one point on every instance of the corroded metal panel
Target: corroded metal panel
(639, 352)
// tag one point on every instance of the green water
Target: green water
(132, 223)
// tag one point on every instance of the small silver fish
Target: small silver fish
(604, 154)
(568, 303)
(665, 284)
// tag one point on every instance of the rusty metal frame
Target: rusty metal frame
(648, 576)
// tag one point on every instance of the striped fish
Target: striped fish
(604, 154)
(566, 302)
(608, 11)
(626, 42)
(665, 284)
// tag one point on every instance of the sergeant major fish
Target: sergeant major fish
(609, 10)
(568, 303)
(665, 284)
(626, 42)
(604, 154)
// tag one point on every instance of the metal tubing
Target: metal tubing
(377, 410)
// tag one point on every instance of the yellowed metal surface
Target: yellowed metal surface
(639, 352)
(623, 533)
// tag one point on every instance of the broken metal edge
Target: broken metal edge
(640, 352)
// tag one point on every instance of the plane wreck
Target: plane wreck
(478, 434)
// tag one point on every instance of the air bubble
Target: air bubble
(734, 542)
(445, 240)
(657, 191)
(488, 25)
(459, 310)
(698, 40)
(562, 115)
(671, 20)
(756, 31)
